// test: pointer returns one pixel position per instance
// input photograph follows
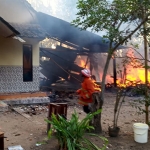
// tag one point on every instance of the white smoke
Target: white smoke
(16, 12)
(65, 9)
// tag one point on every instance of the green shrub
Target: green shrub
(70, 133)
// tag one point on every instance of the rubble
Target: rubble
(3, 107)
(36, 109)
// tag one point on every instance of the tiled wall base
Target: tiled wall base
(33, 100)
(11, 80)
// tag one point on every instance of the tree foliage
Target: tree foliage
(120, 20)
(117, 18)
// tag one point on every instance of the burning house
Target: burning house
(74, 49)
(69, 50)
(60, 58)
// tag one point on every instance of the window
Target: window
(27, 63)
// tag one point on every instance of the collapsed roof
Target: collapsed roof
(66, 32)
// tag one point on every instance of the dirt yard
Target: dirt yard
(24, 131)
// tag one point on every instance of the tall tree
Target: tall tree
(119, 19)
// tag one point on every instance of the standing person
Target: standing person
(88, 87)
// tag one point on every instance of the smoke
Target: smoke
(17, 11)
(65, 10)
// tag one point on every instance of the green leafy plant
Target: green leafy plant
(71, 133)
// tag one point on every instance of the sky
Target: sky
(63, 9)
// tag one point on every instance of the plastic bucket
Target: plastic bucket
(140, 132)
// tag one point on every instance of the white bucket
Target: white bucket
(140, 132)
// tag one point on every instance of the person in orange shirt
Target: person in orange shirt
(88, 87)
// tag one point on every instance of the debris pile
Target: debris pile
(63, 97)
(33, 109)
(36, 109)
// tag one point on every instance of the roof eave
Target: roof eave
(14, 31)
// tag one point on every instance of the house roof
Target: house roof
(21, 21)
(30, 30)
(64, 31)
(6, 30)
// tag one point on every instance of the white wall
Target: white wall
(11, 51)
(11, 66)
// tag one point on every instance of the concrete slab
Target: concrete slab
(30, 100)
(3, 107)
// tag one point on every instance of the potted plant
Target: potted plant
(114, 129)
(71, 133)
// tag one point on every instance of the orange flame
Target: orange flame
(135, 72)
(82, 64)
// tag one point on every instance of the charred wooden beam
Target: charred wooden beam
(114, 72)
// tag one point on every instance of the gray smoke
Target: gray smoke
(10, 11)
(65, 9)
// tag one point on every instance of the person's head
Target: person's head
(86, 73)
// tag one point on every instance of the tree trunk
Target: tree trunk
(96, 104)
(100, 98)
(146, 79)
(104, 75)
(146, 70)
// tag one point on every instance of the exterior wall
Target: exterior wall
(11, 66)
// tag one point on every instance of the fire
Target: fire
(135, 72)
(131, 72)
(81, 61)
(109, 79)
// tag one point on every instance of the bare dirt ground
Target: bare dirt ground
(27, 132)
